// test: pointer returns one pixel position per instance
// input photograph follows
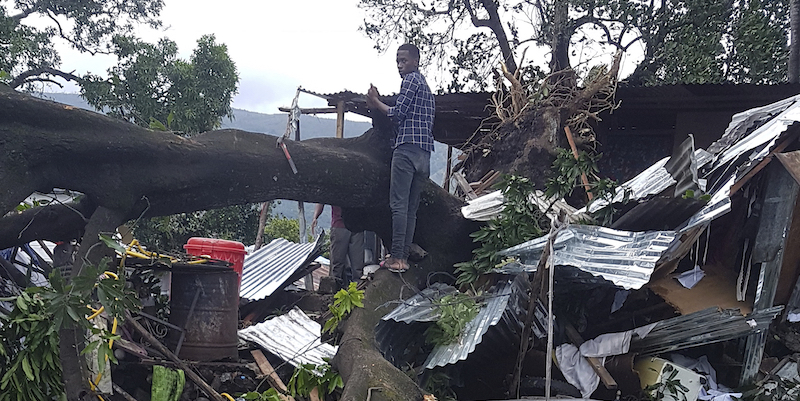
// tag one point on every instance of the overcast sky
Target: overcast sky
(276, 45)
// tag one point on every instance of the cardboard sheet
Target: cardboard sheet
(717, 288)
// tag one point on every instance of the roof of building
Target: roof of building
(461, 115)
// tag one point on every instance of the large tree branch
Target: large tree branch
(34, 75)
(494, 23)
(127, 170)
(147, 173)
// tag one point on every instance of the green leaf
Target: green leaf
(26, 367)
(111, 243)
(156, 125)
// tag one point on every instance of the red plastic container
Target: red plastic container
(229, 251)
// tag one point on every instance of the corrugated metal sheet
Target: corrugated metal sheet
(744, 123)
(659, 177)
(473, 333)
(276, 265)
(659, 213)
(499, 323)
(627, 259)
(487, 207)
(420, 307)
(707, 326)
(294, 337)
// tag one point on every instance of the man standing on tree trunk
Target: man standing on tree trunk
(412, 118)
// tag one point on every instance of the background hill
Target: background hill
(275, 124)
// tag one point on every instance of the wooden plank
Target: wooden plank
(597, 365)
(760, 166)
(791, 160)
(464, 185)
(488, 182)
(312, 110)
(340, 119)
(268, 371)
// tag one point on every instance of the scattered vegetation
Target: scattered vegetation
(669, 388)
(567, 173)
(438, 384)
(772, 388)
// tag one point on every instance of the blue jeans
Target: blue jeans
(411, 166)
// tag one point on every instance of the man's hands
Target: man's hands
(373, 102)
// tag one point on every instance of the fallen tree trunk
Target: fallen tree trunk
(135, 172)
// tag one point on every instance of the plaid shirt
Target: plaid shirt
(413, 112)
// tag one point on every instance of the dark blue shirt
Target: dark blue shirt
(413, 112)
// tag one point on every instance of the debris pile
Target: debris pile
(696, 266)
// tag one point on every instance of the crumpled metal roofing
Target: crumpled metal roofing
(498, 308)
(487, 207)
(651, 181)
(294, 337)
(276, 265)
(420, 307)
(703, 327)
(473, 333)
(627, 259)
(748, 139)
(737, 156)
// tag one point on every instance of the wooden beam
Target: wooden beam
(464, 185)
(790, 160)
(760, 166)
(597, 366)
(268, 371)
(340, 119)
(313, 110)
(486, 183)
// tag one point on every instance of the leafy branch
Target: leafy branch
(308, 376)
(455, 311)
(519, 221)
(344, 302)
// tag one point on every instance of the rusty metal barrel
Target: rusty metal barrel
(204, 301)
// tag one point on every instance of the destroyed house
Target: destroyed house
(704, 256)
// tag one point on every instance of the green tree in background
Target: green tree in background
(170, 233)
(29, 30)
(152, 83)
(683, 41)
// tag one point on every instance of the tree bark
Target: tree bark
(126, 172)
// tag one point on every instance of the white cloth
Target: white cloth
(576, 369)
